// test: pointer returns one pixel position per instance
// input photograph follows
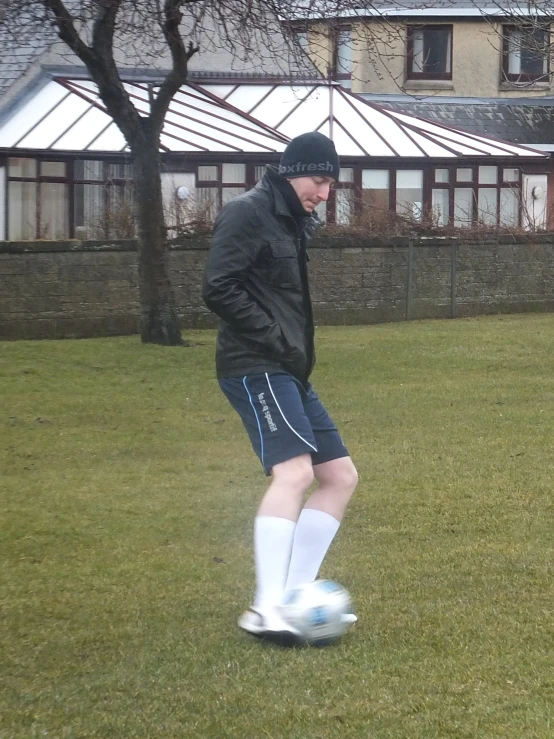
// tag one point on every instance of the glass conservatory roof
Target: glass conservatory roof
(68, 115)
(358, 127)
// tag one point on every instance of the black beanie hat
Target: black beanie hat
(310, 154)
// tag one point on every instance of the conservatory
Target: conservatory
(65, 169)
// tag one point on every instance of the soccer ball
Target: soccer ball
(316, 609)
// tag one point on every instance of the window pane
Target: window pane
(437, 51)
(409, 193)
(527, 51)
(344, 51)
(208, 174)
(510, 175)
(233, 173)
(321, 211)
(375, 179)
(228, 193)
(409, 178)
(89, 212)
(514, 52)
(54, 222)
(463, 206)
(488, 205)
(442, 175)
(22, 167)
(346, 174)
(509, 207)
(120, 171)
(375, 191)
(441, 206)
(259, 172)
(301, 38)
(207, 203)
(22, 210)
(344, 206)
(88, 170)
(431, 50)
(464, 175)
(121, 216)
(52, 169)
(488, 175)
(417, 50)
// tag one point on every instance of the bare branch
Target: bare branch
(180, 56)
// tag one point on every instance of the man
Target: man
(256, 281)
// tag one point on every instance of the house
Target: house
(476, 65)
(457, 48)
(65, 172)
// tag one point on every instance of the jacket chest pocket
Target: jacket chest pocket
(281, 265)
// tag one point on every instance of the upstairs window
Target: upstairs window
(301, 39)
(342, 55)
(525, 56)
(430, 52)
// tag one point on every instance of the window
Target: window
(301, 38)
(375, 192)
(430, 52)
(37, 199)
(487, 199)
(440, 205)
(525, 57)
(342, 55)
(344, 196)
(509, 207)
(103, 200)
(464, 174)
(409, 193)
(463, 206)
(217, 184)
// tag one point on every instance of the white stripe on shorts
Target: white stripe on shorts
(284, 418)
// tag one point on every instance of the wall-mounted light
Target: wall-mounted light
(182, 192)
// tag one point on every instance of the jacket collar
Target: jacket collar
(273, 182)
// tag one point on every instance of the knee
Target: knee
(342, 476)
(349, 477)
(297, 474)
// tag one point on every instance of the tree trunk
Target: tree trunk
(159, 323)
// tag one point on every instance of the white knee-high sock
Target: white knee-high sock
(273, 538)
(314, 533)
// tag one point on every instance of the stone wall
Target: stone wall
(74, 289)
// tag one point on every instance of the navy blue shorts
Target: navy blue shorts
(283, 418)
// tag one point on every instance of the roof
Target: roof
(529, 123)
(357, 126)
(67, 115)
(266, 51)
(316, 9)
(17, 56)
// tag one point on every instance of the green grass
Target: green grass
(128, 491)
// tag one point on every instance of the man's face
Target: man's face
(311, 191)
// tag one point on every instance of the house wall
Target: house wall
(72, 289)
(379, 61)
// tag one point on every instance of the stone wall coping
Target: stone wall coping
(321, 242)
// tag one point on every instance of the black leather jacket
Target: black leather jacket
(256, 282)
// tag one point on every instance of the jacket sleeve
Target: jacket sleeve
(234, 249)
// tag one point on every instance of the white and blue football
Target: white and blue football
(318, 611)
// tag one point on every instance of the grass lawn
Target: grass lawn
(128, 491)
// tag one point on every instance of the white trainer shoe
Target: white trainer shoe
(267, 624)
